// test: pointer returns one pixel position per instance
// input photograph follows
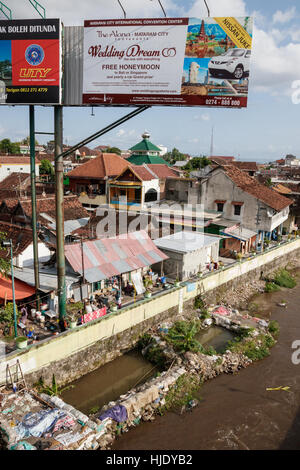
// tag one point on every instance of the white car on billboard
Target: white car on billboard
(234, 63)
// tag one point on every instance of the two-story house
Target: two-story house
(242, 199)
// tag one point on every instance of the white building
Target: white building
(15, 164)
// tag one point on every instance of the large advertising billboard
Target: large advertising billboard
(30, 61)
(169, 61)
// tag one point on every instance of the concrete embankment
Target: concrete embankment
(76, 352)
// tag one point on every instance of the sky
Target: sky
(266, 130)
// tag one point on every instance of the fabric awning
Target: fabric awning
(22, 290)
(113, 256)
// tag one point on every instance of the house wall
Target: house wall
(27, 257)
(8, 168)
(186, 265)
(255, 215)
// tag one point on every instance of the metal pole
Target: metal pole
(33, 202)
(13, 289)
(59, 199)
(82, 262)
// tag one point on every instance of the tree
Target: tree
(114, 150)
(174, 156)
(6, 146)
(197, 163)
(46, 168)
(26, 141)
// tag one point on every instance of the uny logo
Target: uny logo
(34, 54)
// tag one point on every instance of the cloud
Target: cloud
(284, 17)
(273, 67)
(218, 8)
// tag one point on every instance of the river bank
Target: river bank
(237, 412)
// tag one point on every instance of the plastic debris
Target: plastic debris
(278, 388)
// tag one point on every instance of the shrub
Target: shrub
(199, 302)
(271, 287)
(274, 328)
(284, 279)
(181, 336)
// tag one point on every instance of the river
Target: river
(236, 411)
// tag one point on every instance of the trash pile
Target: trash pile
(139, 404)
(231, 319)
(40, 422)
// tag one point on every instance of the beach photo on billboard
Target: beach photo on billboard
(5, 62)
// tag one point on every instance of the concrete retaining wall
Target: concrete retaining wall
(76, 352)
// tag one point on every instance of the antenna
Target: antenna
(212, 143)
(39, 8)
(161, 8)
(122, 8)
(6, 11)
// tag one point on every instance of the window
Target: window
(220, 206)
(237, 210)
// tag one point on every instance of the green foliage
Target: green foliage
(7, 314)
(284, 279)
(199, 302)
(271, 287)
(6, 146)
(197, 163)
(156, 356)
(46, 168)
(113, 150)
(274, 328)
(181, 336)
(254, 349)
(20, 339)
(94, 410)
(144, 341)
(181, 393)
(174, 156)
(74, 307)
(54, 389)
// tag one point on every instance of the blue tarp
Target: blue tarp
(117, 413)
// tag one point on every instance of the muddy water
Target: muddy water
(236, 411)
(215, 336)
(109, 382)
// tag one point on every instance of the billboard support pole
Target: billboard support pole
(6, 11)
(59, 201)
(37, 6)
(33, 201)
(103, 131)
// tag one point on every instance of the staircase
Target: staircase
(15, 377)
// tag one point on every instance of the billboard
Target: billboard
(30, 61)
(167, 62)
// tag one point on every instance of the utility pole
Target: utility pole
(33, 202)
(59, 200)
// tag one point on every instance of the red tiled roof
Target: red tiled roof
(222, 160)
(253, 187)
(7, 159)
(73, 209)
(15, 181)
(250, 166)
(162, 171)
(142, 172)
(107, 164)
(21, 238)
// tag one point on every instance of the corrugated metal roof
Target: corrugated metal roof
(184, 242)
(241, 233)
(113, 256)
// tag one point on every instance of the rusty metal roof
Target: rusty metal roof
(113, 256)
